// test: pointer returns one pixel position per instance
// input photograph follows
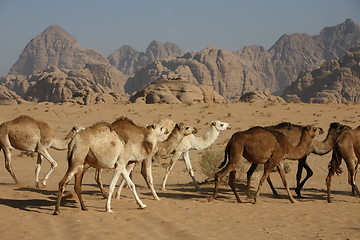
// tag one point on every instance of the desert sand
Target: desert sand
(182, 212)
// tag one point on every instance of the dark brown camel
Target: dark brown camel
(347, 147)
(293, 134)
(261, 146)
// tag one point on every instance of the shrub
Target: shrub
(210, 162)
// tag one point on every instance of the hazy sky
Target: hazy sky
(192, 24)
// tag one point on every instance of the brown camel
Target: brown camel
(100, 146)
(262, 146)
(347, 147)
(27, 134)
(293, 133)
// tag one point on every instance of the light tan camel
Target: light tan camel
(293, 134)
(101, 146)
(27, 134)
(192, 142)
(165, 148)
(347, 147)
(261, 146)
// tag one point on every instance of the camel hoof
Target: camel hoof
(43, 183)
(142, 207)
(329, 201)
(37, 185)
(109, 210)
(56, 213)
(292, 200)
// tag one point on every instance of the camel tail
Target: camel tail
(334, 165)
(225, 157)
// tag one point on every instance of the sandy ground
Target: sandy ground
(182, 213)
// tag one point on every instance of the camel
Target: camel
(347, 147)
(101, 146)
(165, 147)
(192, 142)
(262, 146)
(293, 133)
(27, 134)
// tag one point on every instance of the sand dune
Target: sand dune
(182, 212)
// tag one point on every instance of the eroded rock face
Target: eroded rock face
(54, 47)
(8, 97)
(176, 91)
(253, 68)
(128, 60)
(262, 97)
(334, 82)
(93, 84)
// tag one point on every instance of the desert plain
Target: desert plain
(182, 212)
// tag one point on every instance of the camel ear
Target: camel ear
(213, 123)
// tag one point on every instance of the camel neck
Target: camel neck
(325, 146)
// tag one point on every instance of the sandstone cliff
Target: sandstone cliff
(128, 60)
(54, 47)
(176, 91)
(253, 68)
(334, 82)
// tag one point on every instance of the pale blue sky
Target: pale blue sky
(192, 24)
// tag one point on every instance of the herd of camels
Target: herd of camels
(122, 144)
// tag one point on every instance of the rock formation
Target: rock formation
(128, 60)
(334, 82)
(54, 47)
(253, 68)
(176, 91)
(8, 97)
(261, 96)
(92, 84)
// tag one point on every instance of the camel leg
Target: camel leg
(190, 169)
(351, 175)
(232, 185)
(53, 163)
(37, 169)
(8, 166)
(130, 168)
(268, 179)
(336, 156)
(62, 185)
(218, 176)
(271, 164)
(131, 185)
(147, 174)
(78, 181)
(299, 185)
(249, 174)
(281, 171)
(98, 180)
(173, 160)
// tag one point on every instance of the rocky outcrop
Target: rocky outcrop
(90, 85)
(8, 97)
(224, 71)
(54, 47)
(128, 60)
(253, 68)
(334, 82)
(176, 91)
(262, 97)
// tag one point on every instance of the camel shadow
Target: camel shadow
(31, 205)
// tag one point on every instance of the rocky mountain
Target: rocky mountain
(253, 68)
(334, 82)
(54, 47)
(8, 97)
(90, 85)
(261, 96)
(174, 91)
(128, 60)
(223, 70)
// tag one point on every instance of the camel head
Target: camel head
(313, 131)
(337, 128)
(158, 130)
(186, 130)
(77, 129)
(220, 126)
